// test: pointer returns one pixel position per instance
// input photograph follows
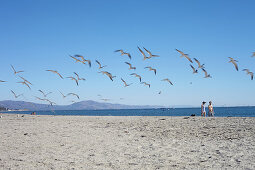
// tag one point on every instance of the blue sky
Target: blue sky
(40, 35)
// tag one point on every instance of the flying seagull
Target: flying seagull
(233, 62)
(167, 81)
(100, 66)
(24, 83)
(184, 55)
(78, 77)
(16, 72)
(62, 94)
(25, 80)
(199, 65)
(206, 75)
(151, 55)
(45, 95)
(151, 69)
(125, 84)
(249, 72)
(194, 70)
(144, 56)
(108, 74)
(123, 53)
(73, 95)
(72, 78)
(146, 84)
(136, 75)
(16, 96)
(130, 66)
(1, 81)
(253, 54)
(54, 71)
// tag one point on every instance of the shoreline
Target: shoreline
(126, 142)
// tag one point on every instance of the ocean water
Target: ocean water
(219, 112)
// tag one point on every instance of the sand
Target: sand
(89, 142)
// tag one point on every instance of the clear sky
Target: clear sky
(40, 35)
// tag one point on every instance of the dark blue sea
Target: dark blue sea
(219, 112)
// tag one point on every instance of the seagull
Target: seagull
(54, 71)
(78, 77)
(50, 102)
(151, 69)
(253, 54)
(144, 56)
(167, 81)
(249, 72)
(233, 62)
(136, 75)
(125, 84)
(25, 80)
(130, 66)
(45, 95)
(184, 55)
(62, 94)
(16, 72)
(1, 81)
(199, 65)
(76, 60)
(206, 75)
(89, 62)
(39, 98)
(24, 83)
(108, 74)
(146, 84)
(159, 92)
(100, 66)
(73, 95)
(72, 78)
(123, 53)
(16, 96)
(151, 55)
(105, 99)
(194, 70)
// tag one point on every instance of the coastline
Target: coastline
(126, 142)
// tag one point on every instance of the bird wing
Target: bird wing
(144, 56)
(235, 65)
(197, 62)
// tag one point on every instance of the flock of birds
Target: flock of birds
(81, 59)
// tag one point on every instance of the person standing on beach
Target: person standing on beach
(203, 113)
(210, 108)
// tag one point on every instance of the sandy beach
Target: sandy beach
(83, 142)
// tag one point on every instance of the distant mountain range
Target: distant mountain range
(83, 105)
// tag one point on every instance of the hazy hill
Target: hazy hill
(83, 105)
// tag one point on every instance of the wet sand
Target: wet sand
(107, 142)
